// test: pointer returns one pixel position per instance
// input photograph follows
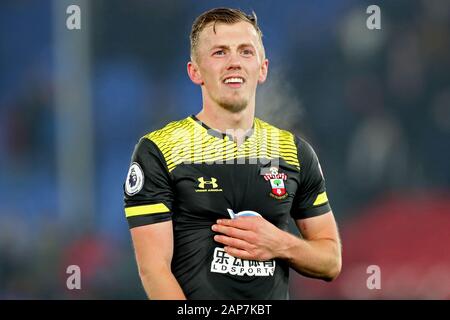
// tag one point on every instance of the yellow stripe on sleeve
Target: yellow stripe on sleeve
(321, 199)
(146, 209)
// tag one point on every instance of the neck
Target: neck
(237, 124)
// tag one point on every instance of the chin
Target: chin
(234, 106)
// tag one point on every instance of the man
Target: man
(209, 208)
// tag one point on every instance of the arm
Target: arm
(318, 255)
(148, 197)
(153, 245)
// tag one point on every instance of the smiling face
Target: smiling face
(229, 63)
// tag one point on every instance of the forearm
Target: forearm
(161, 285)
(319, 258)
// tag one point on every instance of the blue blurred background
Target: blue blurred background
(375, 104)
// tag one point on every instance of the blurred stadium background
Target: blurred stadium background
(374, 104)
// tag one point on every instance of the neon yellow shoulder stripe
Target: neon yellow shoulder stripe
(146, 209)
(321, 199)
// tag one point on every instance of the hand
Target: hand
(250, 238)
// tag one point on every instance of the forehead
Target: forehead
(228, 34)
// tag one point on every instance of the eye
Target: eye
(247, 52)
(219, 53)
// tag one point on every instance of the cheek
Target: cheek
(255, 72)
(211, 82)
(211, 75)
(254, 78)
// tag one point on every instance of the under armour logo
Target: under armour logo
(202, 183)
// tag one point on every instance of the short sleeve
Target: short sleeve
(311, 198)
(148, 192)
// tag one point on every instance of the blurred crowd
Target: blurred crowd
(375, 105)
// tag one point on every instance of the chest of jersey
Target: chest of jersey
(207, 192)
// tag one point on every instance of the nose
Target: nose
(234, 62)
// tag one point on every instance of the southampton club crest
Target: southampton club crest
(135, 179)
(276, 183)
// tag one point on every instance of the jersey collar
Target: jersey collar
(221, 135)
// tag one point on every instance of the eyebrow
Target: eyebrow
(222, 46)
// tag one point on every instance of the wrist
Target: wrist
(286, 244)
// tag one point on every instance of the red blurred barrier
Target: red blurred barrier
(407, 236)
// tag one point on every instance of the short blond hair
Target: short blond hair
(221, 15)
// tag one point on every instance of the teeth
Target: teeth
(234, 80)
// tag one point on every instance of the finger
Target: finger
(238, 253)
(245, 223)
(233, 242)
(232, 232)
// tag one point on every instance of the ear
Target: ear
(263, 71)
(194, 73)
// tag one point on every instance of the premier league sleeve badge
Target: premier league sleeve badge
(135, 179)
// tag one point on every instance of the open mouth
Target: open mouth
(234, 81)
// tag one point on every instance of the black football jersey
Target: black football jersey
(193, 175)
